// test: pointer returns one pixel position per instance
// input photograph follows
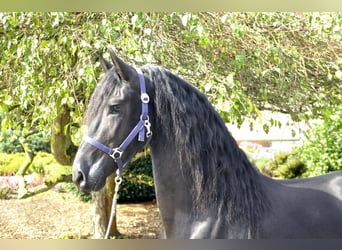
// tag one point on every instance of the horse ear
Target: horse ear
(124, 70)
(105, 64)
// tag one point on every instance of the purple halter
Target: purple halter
(142, 128)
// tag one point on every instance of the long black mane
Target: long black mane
(220, 173)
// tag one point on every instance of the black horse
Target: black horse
(205, 185)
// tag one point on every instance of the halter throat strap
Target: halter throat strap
(142, 129)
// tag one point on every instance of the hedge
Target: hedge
(10, 163)
(9, 142)
(284, 165)
(138, 184)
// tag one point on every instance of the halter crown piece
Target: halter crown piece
(142, 129)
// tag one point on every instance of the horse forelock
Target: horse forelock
(101, 95)
(220, 173)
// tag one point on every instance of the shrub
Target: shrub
(322, 148)
(41, 161)
(137, 184)
(266, 166)
(10, 163)
(264, 163)
(40, 142)
(285, 165)
(288, 165)
(9, 142)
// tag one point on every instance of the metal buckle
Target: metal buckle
(145, 98)
(117, 153)
(147, 125)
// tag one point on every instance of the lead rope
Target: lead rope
(118, 180)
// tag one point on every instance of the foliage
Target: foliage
(52, 168)
(284, 165)
(42, 163)
(40, 142)
(137, 184)
(289, 165)
(243, 61)
(72, 188)
(321, 153)
(322, 148)
(10, 163)
(9, 142)
(265, 165)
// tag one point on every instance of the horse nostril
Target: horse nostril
(80, 179)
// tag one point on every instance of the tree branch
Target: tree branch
(46, 186)
(13, 107)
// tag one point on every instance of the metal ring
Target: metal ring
(118, 180)
(144, 119)
(145, 98)
(117, 153)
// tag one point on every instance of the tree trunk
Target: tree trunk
(62, 147)
(64, 152)
(102, 208)
(22, 190)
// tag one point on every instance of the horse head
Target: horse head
(114, 119)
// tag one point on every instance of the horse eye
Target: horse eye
(114, 109)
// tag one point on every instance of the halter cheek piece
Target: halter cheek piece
(142, 129)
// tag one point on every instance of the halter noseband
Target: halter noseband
(142, 128)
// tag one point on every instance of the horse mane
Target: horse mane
(221, 173)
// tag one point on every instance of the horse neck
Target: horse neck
(198, 166)
(179, 210)
(173, 197)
